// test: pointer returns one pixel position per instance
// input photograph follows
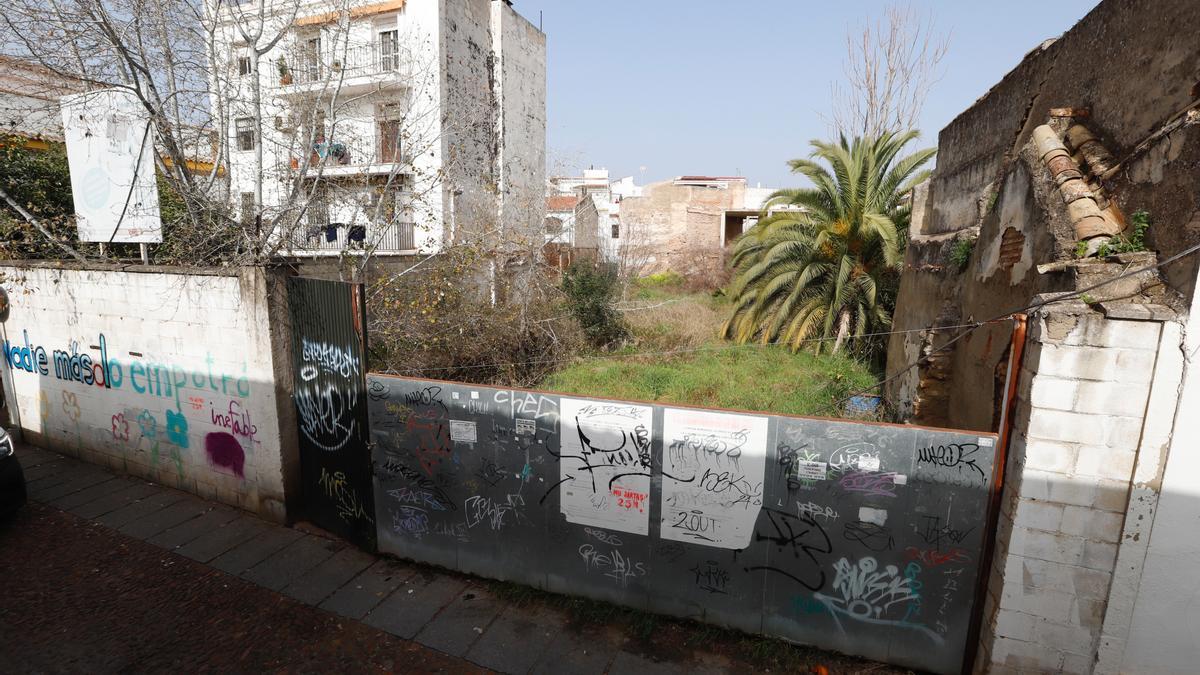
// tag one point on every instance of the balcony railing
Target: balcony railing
(380, 237)
(352, 154)
(305, 67)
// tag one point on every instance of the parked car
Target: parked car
(12, 478)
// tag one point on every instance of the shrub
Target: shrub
(960, 254)
(591, 290)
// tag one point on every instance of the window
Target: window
(244, 67)
(248, 210)
(312, 59)
(389, 50)
(245, 133)
(616, 231)
(389, 141)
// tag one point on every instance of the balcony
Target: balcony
(309, 69)
(353, 158)
(398, 237)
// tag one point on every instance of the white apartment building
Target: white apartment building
(396, 126)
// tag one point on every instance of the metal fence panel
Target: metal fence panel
(859, 537)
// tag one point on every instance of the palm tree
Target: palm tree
(821, 267)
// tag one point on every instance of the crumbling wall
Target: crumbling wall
(1128, 70)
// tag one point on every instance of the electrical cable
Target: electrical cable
(133, 184)
(1008, 316)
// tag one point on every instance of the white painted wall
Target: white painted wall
(1164, 636)
(161, 375)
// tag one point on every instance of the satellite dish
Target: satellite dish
(3, 305)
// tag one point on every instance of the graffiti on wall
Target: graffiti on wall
(817, 531)
(165, 426)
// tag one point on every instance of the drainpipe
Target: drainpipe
(1016, 354)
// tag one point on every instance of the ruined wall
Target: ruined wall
(858, 537)
(679, 226)
(1133, 65)
(165, 375)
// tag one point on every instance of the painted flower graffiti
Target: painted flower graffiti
(177, 428)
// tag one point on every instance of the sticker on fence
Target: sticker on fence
(605, 464)
(713, 468)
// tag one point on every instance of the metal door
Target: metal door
(329, 342)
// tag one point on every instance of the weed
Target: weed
(1081, 249)
(960, 254)
(1087, 299)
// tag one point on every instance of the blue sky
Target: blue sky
(739, 87)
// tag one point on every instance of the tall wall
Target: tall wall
(522, 62)
(166, 375)
(990, 188)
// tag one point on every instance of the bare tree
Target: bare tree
(890, 66)
(215, 79)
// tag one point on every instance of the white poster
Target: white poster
(110, 152)
(713, 468)
(605, 464)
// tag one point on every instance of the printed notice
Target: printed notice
(526, 427)
(713, 468)
(605, 464)
(810, 470)
(462, 432)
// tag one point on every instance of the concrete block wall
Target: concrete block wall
(1083, 394)
(163, 375)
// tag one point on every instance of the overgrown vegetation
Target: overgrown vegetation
(437, 320)
(591, 290)
(960, 252)
(38, 181)
(819, 272)
(1134, 242)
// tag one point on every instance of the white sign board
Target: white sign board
(605, 464)
(110, 152)
(713, 468)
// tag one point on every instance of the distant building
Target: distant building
(401, 125)
(29, 96)
(681, 225)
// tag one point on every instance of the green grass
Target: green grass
(766, 378)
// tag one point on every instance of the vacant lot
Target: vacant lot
(676, 357)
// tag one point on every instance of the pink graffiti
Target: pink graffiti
(236, 421)
(225, 453)
(866, 482)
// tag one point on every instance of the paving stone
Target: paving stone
(515, 640)
(572, 652)
(362, 593)
(178, 535)
(30, 456)
(223, 539)
(289, 563)
(183, 510)
(83, 482)
(413, 604)
(48, 470)
(318, 583)
(111, 486)
(460, 625)
(153, 503)
(625, 663)
(114, 501)
(38, 487)
(253, 551)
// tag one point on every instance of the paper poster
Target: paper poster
(462, 432)
(605, 465)
(713, 468)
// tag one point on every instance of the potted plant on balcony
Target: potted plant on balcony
(285, 75)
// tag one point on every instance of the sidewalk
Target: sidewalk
(482, 624)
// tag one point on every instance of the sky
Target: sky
(661, 88)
